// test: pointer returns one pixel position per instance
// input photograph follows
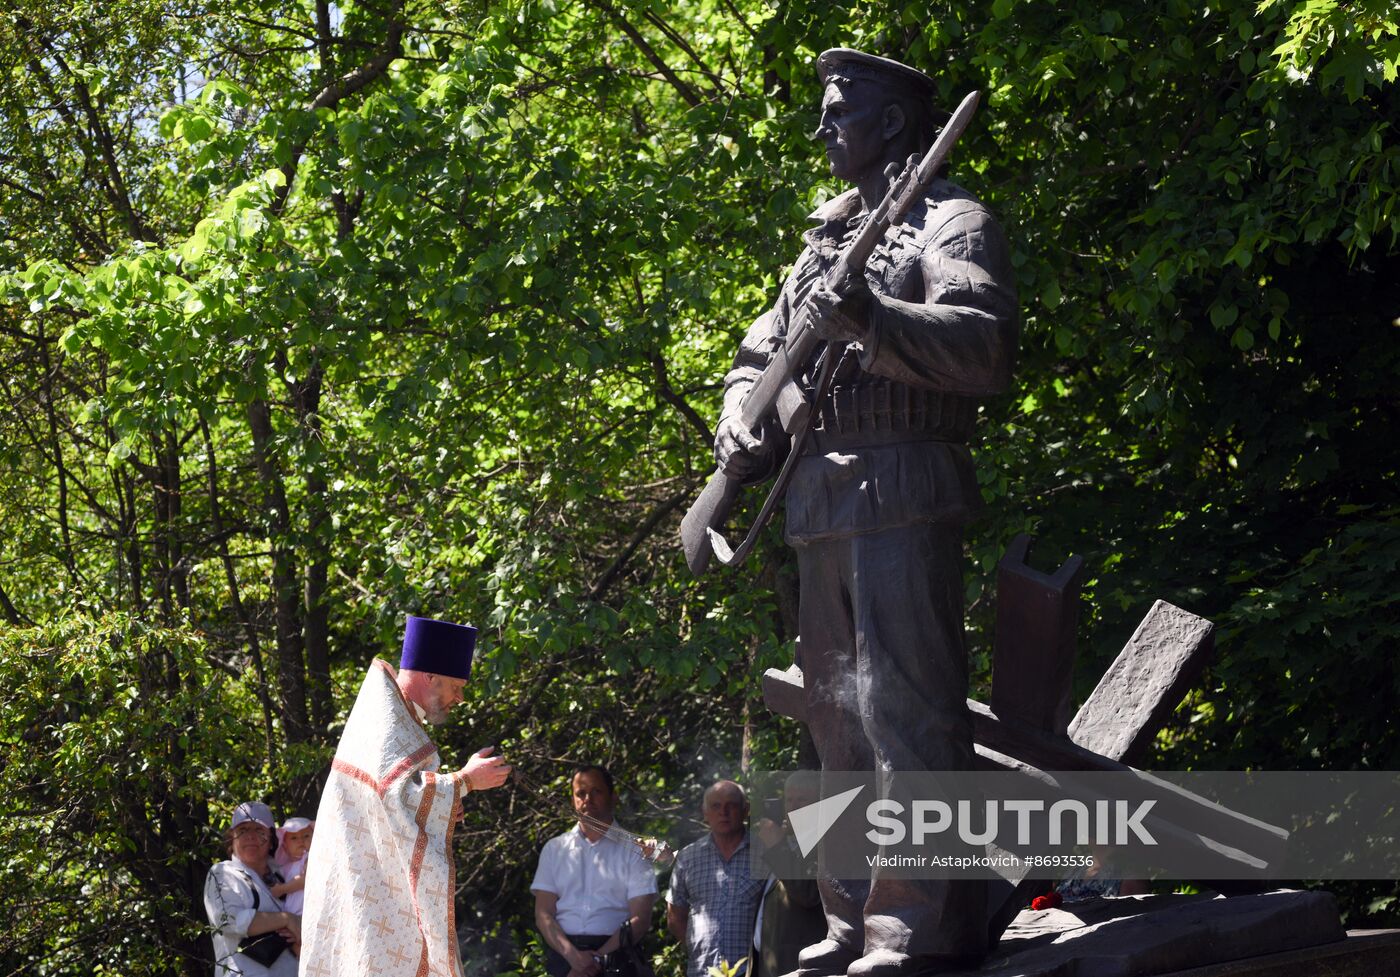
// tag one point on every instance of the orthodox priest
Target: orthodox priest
(379, 876)
(878, 499)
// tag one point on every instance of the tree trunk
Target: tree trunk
(130, 536)
(51, 414)
(235, 595)
(291, 666)
(318, 663)
(174, 534)
(161, 549)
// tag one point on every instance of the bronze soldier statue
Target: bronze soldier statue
(885, 483)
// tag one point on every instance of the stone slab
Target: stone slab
(1139, 936)
(1033, 654)
(1005, 744)
(1149, 678)
(1364, 953)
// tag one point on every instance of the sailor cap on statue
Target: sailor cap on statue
(847, 63)
(438, 647)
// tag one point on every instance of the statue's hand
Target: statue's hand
(737, 451)
(840, 318)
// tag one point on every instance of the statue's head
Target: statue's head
(874, 111)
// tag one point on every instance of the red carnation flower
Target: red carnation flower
(1051, 900)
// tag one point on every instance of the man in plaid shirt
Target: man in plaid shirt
(713, 897)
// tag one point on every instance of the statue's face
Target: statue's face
(852, 127)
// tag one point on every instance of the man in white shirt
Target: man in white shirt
(588, 885)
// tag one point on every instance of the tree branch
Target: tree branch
(686, 92)
(679, 41)
(343, 87)
(97, 128)
(668, 394)
(729, 5)
(614, 570)
(32, 194)
(11, 613)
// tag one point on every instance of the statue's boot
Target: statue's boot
(825, 959)
(891, 963)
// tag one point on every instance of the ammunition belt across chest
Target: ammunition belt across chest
(875, 412)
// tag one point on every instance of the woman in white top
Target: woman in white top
(240, 903)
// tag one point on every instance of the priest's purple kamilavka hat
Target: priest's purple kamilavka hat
(438, 647)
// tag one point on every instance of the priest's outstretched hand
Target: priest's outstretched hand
(484, 771)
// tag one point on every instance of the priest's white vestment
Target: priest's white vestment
(379, 876)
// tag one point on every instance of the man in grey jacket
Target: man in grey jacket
(876, 505)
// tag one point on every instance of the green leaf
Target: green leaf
(234, 93)
(194, 129)
(170, 121)
(1223, 314)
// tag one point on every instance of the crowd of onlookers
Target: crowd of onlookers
(379, 899)
(594, 896)
(594, 889)
(594, 893)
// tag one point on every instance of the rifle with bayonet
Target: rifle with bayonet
(777, 388)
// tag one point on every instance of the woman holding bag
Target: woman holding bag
(254, 936)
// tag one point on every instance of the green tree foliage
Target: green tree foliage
(113, 733)
(319, 314)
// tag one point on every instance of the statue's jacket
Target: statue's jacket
(890, 445)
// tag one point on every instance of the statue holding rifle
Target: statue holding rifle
(869, 370)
